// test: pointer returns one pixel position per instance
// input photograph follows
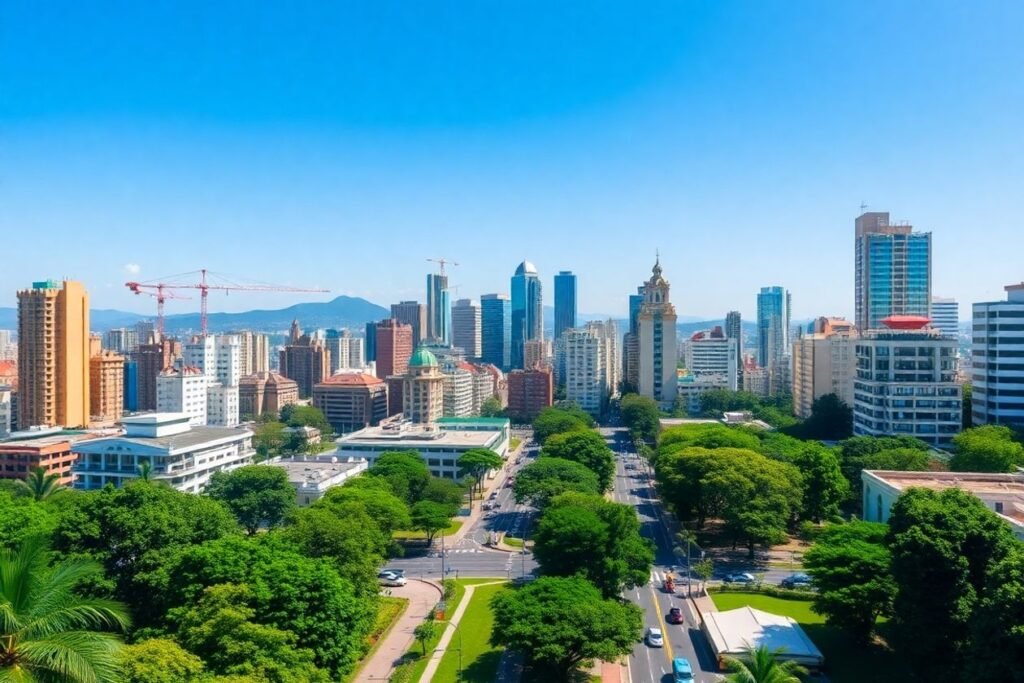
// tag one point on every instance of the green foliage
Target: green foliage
(387, 510)
(553, 421)
(47, 631)
(899, 453)
(781, 446)
(127, 529)
(943, 545)
(491, 407)
(477, 462)
(831, 419)
(306, 416)
(269, 439)
(824, 487)
(776, 411)
(586, 447)
(425, 632)
(430, 517)
(405, 472)
(22, 517)
(547, 477)
(967, 412)
(850, 567)
(990, 448)
(257, 495)
(40, 484)
(160, 660)
(707, 436)
(586, 535)
(998, 623)
(348, 535)
(761, 665)
(642, 415)
(219, 627)
(562, 624)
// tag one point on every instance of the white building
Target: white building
(1003, 494)
(466, 328)
(997, 360)
(657, 341)
(180, 455)
(691, 387)
(313, 475)
(8, 349)
(5, 411)
(608, 331)
(122, 340)
(347, 351)
(711, 352)
(183, 389)
(458, 391)
(824, 362)
(254, 352)
(219, 358)
(586, 377)
(946, 316)
(906, 383)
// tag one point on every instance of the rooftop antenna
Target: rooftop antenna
(863, 206)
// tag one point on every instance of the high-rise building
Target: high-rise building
(183, 389)
(536, 353)
(906, 382)
(352, 401)
(529, 392)
(5, 411)
(8, 349)
(711, 356)
(131, 386)
(565, 302)
(467, 327)
(496, 330)
(53, 355)
(734, 330)
(151, 359)
(370, 343)
(527, 311)
(219, 358)
(394, 348)
(656, 341)
(893, 270)
(997, 353)
(255, 352)
(423, 388)
(412, 313)
(824, 362)
(304, 360)
(121, 340)
(773, 321)
(266, 393)
(586, 376)
(458, 390)
(946, 316)
(346, 351)
(439, 313)
(106, 384)
(146, 332)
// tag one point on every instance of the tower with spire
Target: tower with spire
(656, 337)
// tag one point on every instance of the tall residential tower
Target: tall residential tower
(656, 339)
(565, 302)
(527, 311)
(894, 270)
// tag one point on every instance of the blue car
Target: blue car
(681, 671)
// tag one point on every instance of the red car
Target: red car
(675, 616)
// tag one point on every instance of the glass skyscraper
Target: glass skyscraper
(439, 310)
(496, 330)
(894, 270)
(527, 310)
(773, 317)
(565, 302)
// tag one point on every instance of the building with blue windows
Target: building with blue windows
(496, 330)
(773, 319)
(894, 270)
(131, 386)
(565, 302)
(439, 310)
(527, 311)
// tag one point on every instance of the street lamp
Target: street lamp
(458, 632)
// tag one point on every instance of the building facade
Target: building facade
(536, 353)
(346, 351)
(47, 447)
(5, 410)
(305, 360)
(773, 322)
(458, 391)
(266, 393)
(893, 270)
(529, 392)
(496, 330)
(997, 360)
(656, 340)
(439, 314)
(734, 330)
(906, 383)
(414, 314)
(53, 354)
(946, 316)
(713, 353)
(352, 401)
(586, 373)
(466, 327)
(824, 362)
(106, 386)
(565, 302)
(254, 350)
(423, 389)
(183, 389)
(150, 360)
(527, 311)
(394, 348)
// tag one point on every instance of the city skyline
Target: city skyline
(723, 134)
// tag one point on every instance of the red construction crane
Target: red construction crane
(160, 294)
(204, 288)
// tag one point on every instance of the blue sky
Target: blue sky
(339, 146)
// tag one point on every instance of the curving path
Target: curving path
(422, 596)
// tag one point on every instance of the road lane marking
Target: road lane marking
(661, 623)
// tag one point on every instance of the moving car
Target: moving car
(798, 580)
(655, 638)
(389, 570)
(744, 578)
(391, 579)
(681, 670)
(675, 616)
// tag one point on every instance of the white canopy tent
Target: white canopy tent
(734, 632)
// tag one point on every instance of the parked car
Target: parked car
(390, 571)
(744, 578)
(675, 616)
(655, 637)
(798, 580)
(391, 580)
(494, 494)
(487, 505)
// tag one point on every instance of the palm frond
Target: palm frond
(76, 656)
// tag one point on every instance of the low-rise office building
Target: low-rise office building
(313, 475)
(46, 447)
(351, 401)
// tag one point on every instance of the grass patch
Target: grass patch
(387, 615)
(514, 443)
(414, 535)
(512, 541)
(479, 659)
(845, 662)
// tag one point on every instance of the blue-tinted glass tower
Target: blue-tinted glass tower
(773, 318)
(496, 330)
(565, 302)
(527, 310)
(894, 270)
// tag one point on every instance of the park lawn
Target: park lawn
(479, 659)
(844, 661)
(513, 443)
(390, 610)
(512, 541)
(412, 535)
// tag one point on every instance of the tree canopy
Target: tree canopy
(22, 517)
(553, 421)
(345, 533)
(430, 517)
(404, 471)
(477, 462)
(831, 419)
(706, 436)
(998, 623)
(41, 484)
(257, 495)
(547, 477)
(160, 660)
(824, 487)
(374, 494)
(992, 448)
(642, 415)
(586, 447)
(491, 407)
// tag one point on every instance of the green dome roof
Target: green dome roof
(423, 358)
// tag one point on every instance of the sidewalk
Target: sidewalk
(422, 596)
(449, 633)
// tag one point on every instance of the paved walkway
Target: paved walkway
(449, 632)
(422, 596)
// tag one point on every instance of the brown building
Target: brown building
(352, 401)
(305, 360)
(414, 314)
(394, 348)
(51, 450)
(529, 392)
(423, 389)
(265, 393)
(151, 360)
(106, 384)
(53, 354)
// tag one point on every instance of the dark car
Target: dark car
(675, 616)
(743, 578)
(799, 580)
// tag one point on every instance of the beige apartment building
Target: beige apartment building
(824, 362)
(106, 384)
(53, 355)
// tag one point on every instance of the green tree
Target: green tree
(824, 487)
(269, 439)
(562, 624)
(997, 633)
(375, 496)
(445, 491)
(477, 462)
(642, 415)
(553, 421)
(707, 436)
(48, 632)
(586, 535)
(348, 535)
(430, 518)
(943, 544)
(899, 453)
(586, 447)
(257, 495)
(547, 477)
(831, 419)
(425, 632)
(991, 448)
(850, 567)
(761, 665)
(491, 407)
(404, 471)
(22, 517)
(306, 416)
(41, 484)
(967, 412)
(160, 660)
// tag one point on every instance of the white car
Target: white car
(391, 580)
(655, 637)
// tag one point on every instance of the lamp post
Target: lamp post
(458, 632)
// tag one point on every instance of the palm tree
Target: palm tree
(145, 470)
(47, 632)
(761, 665)
(40, 484)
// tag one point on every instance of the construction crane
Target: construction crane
(161, 294)
(442, 262)
(205, 286)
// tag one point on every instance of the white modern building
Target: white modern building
(313, 475)
(586, 376)
(906, 383)
(608, 332)
(946, 316)
(755, 380)
(183, 389)
(824, 362)
(656, 339)
(711, 352)
(457, 391)
(691, 387)
(466, 327)
(347, 351)
(5, 411)
(219, 358)
(180, 455)
(997, 360)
